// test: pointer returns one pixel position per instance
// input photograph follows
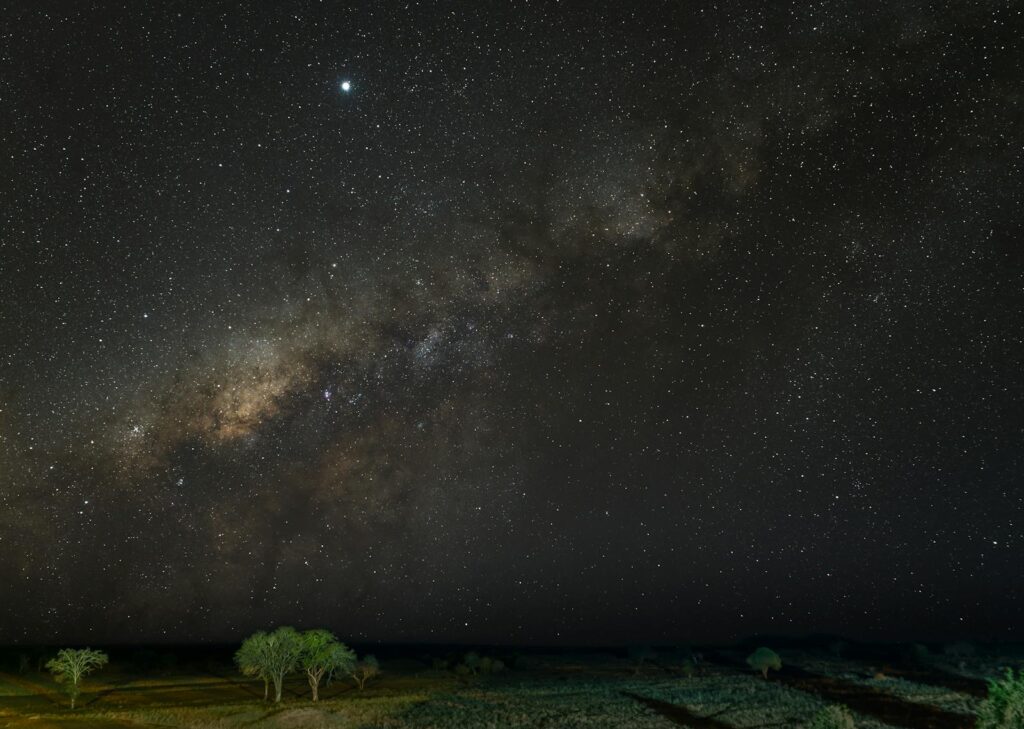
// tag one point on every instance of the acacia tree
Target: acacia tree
(250, 661)
(271, 655)
(71, 665)
(364, 670)
(321, 654)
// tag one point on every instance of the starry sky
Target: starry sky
(533, 322)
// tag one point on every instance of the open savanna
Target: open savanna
(554, 691)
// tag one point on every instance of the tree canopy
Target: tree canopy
(271, 656)
(322, 653)
(70, 665)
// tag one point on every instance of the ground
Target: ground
(554, 691)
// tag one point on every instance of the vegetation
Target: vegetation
(641, 654)
(1004, 707)
(364, 670)
(558, 690)
(919, 653)
(321, 653)
(250, 662)
(961, 649)
(271, 656)
(70, 666)
(764, 658)
(473, 665)
(832, 717)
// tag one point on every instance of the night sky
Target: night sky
(532, 322)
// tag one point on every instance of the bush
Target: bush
(1004, 707)
(764, 658)
(837, 648)
(836, 716)
(919, 653)
(961, 649)
(473, 664)
(688, 668)
(472, 661)
(641, 654)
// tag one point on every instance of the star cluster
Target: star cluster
(511, 323)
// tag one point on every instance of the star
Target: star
(346, 86)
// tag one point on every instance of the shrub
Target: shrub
(688, 669)
(1004, 707)
(960, 649)
(641, 654)
(472, 661)
(919, 653)
(764, 658)
(837, 648)
(836, 716)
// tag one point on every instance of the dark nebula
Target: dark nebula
(566, 323)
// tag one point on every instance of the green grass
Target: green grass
(559, 693)
(913, 691)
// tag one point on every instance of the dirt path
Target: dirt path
(863, 699)
(678, 714)
(935, 677)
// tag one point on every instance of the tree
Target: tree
(919, 653)
(764, 658)
(250, 661)
(322, 653)
(71, 665)
(472, 662)
(837, 648)
(835, 716)
(641, 654)
(1004, 707)
(271, 656)
(364, 670)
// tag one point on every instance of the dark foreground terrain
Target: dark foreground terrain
(192, 688)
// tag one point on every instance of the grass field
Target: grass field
(554, 691)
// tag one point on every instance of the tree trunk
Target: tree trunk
(277, 689)
(764, 673)
(266, 689)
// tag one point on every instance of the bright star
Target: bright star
(346, 86)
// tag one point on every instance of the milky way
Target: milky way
(552, 326)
